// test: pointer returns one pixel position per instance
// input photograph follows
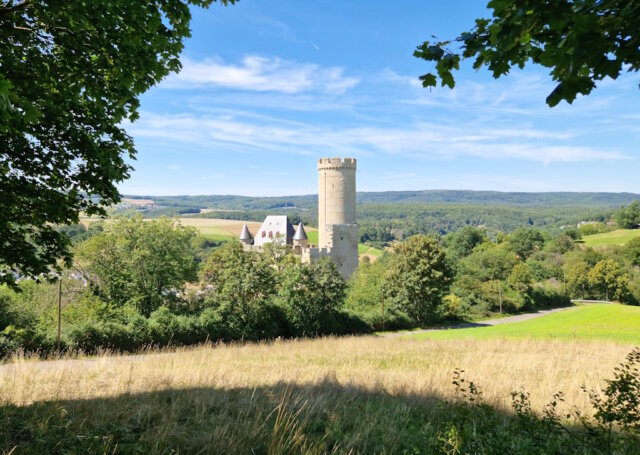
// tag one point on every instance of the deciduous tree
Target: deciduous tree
(242, 282)
(632, 251)
(608, 277)
(311, 293)
(462, 242)
(137, 262)
(629, 217)
(525, 241)
(577, 277)
(419, 277)
(71, 77)
(581, 42)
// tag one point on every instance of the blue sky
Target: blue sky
(267, 88)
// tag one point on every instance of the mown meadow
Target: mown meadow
(606, 322)
(617, 237)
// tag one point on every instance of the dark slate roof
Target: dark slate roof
(245, 234)
(300, 233)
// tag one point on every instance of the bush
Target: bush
(91, 337)
(545, 296)
(7, 346)
(372, 319)
(168, 329)
(475, 427)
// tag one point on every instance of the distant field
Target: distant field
(618, 237)
(609, 322)
(217, 229)
(132, 201)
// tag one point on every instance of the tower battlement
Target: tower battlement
(336, 163)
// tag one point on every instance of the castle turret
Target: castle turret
(245, 235)
(300, 239)
(337, 227)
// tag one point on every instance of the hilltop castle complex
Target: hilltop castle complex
(337, 227)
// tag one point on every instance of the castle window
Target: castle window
(341, 238)
(270, 234)
(264, 234)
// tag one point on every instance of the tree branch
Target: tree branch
(5, 9)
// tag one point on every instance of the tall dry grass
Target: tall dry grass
(334, 395)
(397, 366)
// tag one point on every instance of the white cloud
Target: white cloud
(424, 140)
(262, 74)
(391, 76)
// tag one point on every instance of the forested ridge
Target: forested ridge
(394, 215)
(234, 202)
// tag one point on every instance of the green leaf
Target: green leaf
(428, 80)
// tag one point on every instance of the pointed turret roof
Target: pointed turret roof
(300, 233)
(245, 234)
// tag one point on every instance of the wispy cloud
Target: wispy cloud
(423, 140)
(262, 74)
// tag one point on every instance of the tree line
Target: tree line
(137, 283)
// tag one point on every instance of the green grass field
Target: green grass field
(618, 323)
(618, 237)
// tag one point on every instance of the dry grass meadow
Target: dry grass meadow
(354, 394)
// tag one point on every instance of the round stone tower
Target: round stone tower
(337, 226)
(336, 196)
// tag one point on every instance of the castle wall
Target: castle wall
(344, 251)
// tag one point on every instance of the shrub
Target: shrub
(311, 294)
(167, 328)
(475, 427)
(418, 278)
(545, 296)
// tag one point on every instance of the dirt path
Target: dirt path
(484, 323)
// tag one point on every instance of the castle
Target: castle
(337, 227)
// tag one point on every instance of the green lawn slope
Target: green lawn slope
(593, 322)
(617, 237)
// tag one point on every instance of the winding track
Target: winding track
(484, 323)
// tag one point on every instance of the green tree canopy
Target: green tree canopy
(311, 293)
(71, 76)
(577, 276)
(525, 241)
(365, 287)
(138, 262)
(520, 278)
(608, 278)
(242, 283)
(629, 217)
(462, 242)
(580, 41)
(491, 263)
(632, 251)
(418, 278)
